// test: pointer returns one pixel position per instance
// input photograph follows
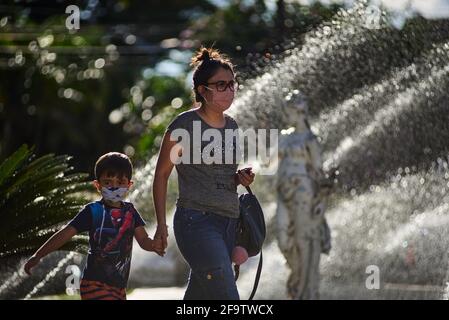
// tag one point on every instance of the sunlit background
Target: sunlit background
(114, 85)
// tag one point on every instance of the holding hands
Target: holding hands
(160, 239)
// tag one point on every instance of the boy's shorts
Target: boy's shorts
(96, 290)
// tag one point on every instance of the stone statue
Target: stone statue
(302, 189)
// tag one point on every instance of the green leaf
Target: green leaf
(9, 166)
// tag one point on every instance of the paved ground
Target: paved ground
(390, 292)
(169, 293)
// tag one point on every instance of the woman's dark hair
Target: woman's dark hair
(206, 62)
(114, 164)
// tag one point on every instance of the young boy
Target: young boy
(111, 224)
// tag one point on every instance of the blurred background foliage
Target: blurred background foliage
(114, 84)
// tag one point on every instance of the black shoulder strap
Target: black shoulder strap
(256, 280)
(259, 267)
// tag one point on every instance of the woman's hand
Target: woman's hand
(245, 176)
(161, 235)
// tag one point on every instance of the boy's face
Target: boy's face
(112, 181)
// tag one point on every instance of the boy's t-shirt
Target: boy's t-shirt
(110, 242)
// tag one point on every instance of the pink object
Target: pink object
(239, 255)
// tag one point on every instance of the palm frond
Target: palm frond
(37, 196)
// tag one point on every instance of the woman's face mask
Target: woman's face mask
(221, 99)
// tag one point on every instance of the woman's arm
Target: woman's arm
(54, 243)
(162, 172)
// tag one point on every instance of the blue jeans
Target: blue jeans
(206, 240)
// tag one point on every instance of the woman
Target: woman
(207, 207)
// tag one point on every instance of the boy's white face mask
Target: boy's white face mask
(114, 194)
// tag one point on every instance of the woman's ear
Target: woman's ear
(201, 90)
(130, 183)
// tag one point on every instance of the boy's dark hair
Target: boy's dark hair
(206, 62)
(114, 164)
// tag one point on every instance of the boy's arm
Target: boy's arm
(54, 243)
(146, 243)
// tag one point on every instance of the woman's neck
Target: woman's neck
(215, 118)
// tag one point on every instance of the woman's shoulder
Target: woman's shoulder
(186, 114)
(182, 119)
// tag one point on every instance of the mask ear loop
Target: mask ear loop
(204, 96)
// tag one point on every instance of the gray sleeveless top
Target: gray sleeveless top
(207, 186)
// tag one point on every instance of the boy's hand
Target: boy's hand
(158, 247)
(31, 263)
(54, 243)
(148, 244)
